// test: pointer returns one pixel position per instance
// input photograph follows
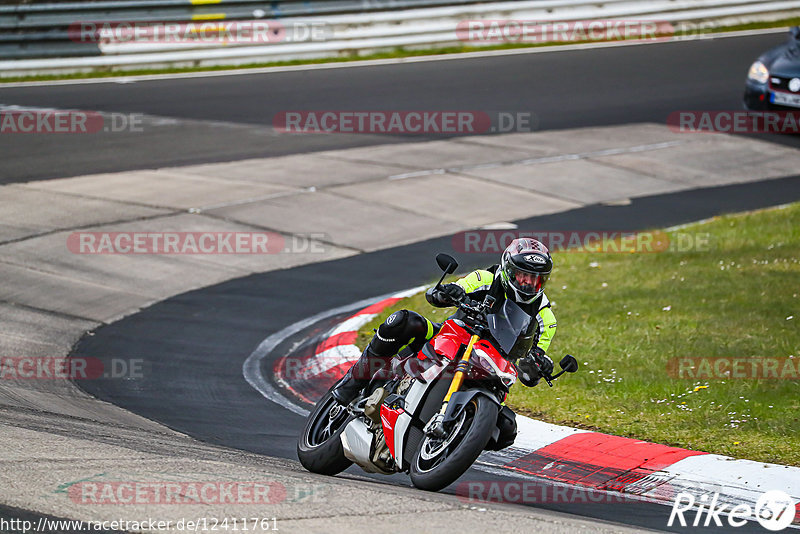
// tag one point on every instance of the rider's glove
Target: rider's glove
(543, 360)
(454, 292)
(446, 295)
(527, 369)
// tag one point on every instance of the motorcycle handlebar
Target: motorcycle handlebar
(469, 305)
(547, 376)
(475, 312)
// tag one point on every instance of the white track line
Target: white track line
(251, 369)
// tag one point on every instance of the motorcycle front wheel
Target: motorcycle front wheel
(320, 447)
(439, 462)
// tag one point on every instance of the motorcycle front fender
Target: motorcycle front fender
(460, 399)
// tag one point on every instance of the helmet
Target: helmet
(524, 269)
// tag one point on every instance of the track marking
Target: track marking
(251, 369)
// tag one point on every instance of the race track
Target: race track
(194, 344)
(229, 117)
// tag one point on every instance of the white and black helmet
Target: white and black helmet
(524, 269)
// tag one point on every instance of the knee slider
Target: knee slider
(393, 327)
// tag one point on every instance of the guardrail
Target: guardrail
(42, 30)
(297, 30)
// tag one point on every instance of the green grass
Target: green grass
(355, 56)
(732, 299)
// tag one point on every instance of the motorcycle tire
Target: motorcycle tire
(437, 472)
(320, 451)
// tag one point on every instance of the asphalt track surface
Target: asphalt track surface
(194, 344)
(229, 118)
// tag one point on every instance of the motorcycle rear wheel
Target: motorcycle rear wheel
(320, 447)
(439, 463)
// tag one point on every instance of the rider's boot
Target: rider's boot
(359, 375)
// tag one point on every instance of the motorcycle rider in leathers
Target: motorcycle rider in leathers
(521, 276)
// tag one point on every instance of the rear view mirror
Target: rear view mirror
(794, 31)
(446, 263)
(569, 363)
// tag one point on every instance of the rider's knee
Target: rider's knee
(418, 326)
(393, 327)
(398, 330)
(402, 326)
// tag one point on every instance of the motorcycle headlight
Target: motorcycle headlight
(758, 72)
(488, 364)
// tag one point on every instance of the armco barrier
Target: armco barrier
(42, 30)
(347, 27)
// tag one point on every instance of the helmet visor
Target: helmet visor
(527, 283)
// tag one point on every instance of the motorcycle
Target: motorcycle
(435, 411)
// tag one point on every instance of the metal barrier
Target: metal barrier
(43, 38)
(42, 30)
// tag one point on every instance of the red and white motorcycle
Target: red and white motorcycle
(436, 411)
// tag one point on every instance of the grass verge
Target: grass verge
(396, 53)
(624, 316)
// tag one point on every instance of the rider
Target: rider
(521, 276)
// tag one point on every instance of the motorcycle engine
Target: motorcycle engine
(404, 385)
(381, 456)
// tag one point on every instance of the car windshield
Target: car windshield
(507, 324)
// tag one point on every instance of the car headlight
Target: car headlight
(758, 72)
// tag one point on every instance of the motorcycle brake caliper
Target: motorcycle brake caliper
(435, 427)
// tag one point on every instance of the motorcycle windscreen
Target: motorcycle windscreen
(507, 324)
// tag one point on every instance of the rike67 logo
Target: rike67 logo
(775, 510)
